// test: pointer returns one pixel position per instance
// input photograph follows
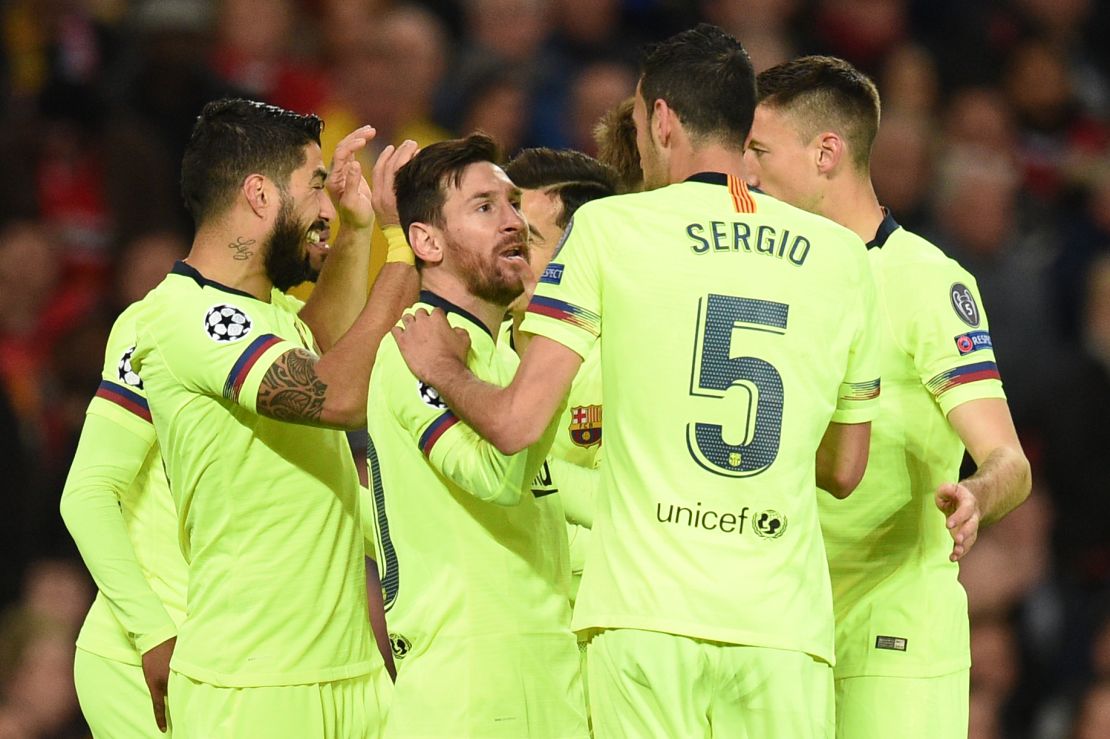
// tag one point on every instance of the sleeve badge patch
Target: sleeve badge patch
(127, 375)
(963, 302)
(430, 396)
(225, 324)
(552, 274)
(973, 341)
(585, 425)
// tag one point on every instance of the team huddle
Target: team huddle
(763, 543)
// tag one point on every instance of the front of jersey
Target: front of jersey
(148, 515)
(736, 328)
(473, 559)
(900, 610)
(268, 510)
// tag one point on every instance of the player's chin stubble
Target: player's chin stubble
(287, 262)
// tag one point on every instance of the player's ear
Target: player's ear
(255, 192)
(662, 122)
(829, 152)
(427, 242)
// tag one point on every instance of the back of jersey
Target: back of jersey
(736, 328)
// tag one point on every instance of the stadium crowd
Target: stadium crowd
(994, 143)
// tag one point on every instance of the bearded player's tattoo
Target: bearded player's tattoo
(291, 391)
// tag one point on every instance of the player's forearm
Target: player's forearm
(91, 512)
(488, 409)
(1001, 483)
(340, 292)
(346, 368)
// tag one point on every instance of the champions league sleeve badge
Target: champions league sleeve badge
(226, 323)
(963, 302)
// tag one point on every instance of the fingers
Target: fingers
(351, 143)
(159, 697)
(963, 517)
(385, 169)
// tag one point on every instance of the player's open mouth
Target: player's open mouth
(318, 234)
(515, 252)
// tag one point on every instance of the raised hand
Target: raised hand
(346, 185)
(389, 161)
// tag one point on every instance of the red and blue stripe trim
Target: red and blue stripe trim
(949, 379)
(246, 361)
(572, 314)
(436, 429)
(125, 398)
(860, 391)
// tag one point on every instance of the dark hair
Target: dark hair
(421, 185)
(234, 138)
(824, 93)
(706, 78)
(574, 177)
(615, 136)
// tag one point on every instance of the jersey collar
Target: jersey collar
(709, 178)
(886, 228)
(187, 270)
(429, 297)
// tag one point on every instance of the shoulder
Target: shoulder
(915, 262)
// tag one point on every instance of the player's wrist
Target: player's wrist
(398, 249)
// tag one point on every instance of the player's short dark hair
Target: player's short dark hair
(705, 76)
(421, 184)
(824, 93)
(575, 177)
(615, 136)
(234, 138)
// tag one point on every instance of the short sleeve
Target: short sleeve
(858, 399)
(567, 304)
(223, 346)
(947, 333)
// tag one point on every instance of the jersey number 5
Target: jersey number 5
(715, 370)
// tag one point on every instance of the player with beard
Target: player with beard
(247, 389)
(473, 549)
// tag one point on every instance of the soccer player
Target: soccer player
(739, 370)
(474, 555)
(117, 506)
(901, 615)
(275, 641)
(554, 184)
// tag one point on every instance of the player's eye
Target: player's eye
(485, 208)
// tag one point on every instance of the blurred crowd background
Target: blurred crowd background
(995, 143)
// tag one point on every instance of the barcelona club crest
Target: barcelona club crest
(585, 425)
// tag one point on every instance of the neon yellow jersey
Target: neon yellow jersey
(578, 440)
(473, 554)
(736, 328)
(269, 511)
(578, 437)
(140, 573)
(900, 610)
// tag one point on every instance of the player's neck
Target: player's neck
(711, 158)
(853, 204)
(451, 289)
(231, 259)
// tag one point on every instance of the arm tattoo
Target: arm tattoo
(291, 391)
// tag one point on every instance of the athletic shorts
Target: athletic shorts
(650, 685)
(342, 709)
(906, 707)
(114, 698)
(490, 688)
